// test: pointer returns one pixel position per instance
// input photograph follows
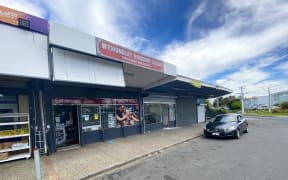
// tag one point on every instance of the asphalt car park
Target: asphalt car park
(260, 154)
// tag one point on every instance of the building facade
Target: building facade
(262, 102)
(80, 89)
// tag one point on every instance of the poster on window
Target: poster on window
(127, 115)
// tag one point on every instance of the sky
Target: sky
(232, 43)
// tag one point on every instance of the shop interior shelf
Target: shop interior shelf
(16, 156)
(15, 149)
(13, 123)
(14, 136)
(5, 115)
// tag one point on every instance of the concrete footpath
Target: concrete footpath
(98, 158)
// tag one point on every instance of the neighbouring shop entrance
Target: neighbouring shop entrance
(66, 125)
(159, 115)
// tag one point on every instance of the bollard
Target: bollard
(37, 164)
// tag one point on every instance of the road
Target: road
(261, 154)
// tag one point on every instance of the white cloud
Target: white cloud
(194, 15)
(111, 21)
(250, 30)
(254, 80)
(283, 67)
(25, 6)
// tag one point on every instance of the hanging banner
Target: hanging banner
(116, 52)
(17, 18)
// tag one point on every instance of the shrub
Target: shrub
(284, 105)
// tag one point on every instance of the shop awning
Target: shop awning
(139, 77)
(184, 86)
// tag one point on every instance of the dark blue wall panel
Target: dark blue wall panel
(153, 127)
(91, 137)
(172, 123)
(112, 133)
(131, 130)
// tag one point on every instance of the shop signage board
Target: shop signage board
(17, 18)
(196, 83)
(116, 52)
(93, 101)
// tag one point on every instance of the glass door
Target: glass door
(172, 115)
(66, 125)
(165, 115)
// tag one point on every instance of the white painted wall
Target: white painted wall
(169, 69)
(23, 53)
(75, 67)
(63, 36)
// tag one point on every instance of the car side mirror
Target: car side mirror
(239, 119)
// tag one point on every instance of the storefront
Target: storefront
(78, 89)
(83, 114)
(184, 98)
(94, 84)
(24, 61)
(20, 118)
(83, 121)
(159, 112)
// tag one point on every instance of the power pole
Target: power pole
(242, 100)
(217, 103)
(269, 99)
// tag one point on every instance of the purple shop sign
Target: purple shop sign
(11, 16)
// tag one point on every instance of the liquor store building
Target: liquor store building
(80, 89)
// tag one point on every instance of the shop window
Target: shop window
(152, 113)
(108, 116)
(90, 115)
(104, 113)
(119, 115)
(14, 104)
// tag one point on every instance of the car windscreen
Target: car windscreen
(224, 118)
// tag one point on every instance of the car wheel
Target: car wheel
(237, 136)
(246, 131)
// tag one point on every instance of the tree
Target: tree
(208, 103)
(224, 102)
(284, 105)
(235, 104)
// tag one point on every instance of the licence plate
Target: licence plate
(215, 134)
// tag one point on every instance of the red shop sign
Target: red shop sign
(113, 51)
(93, 101)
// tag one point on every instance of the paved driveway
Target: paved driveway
(261, 154)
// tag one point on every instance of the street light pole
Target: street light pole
(269, 99)
(242, 100)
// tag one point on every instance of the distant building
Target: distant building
(279, 98)
(262, 102)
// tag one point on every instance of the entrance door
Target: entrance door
(165, 115)
(66, 125)
(201, 113)
(172, 118)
